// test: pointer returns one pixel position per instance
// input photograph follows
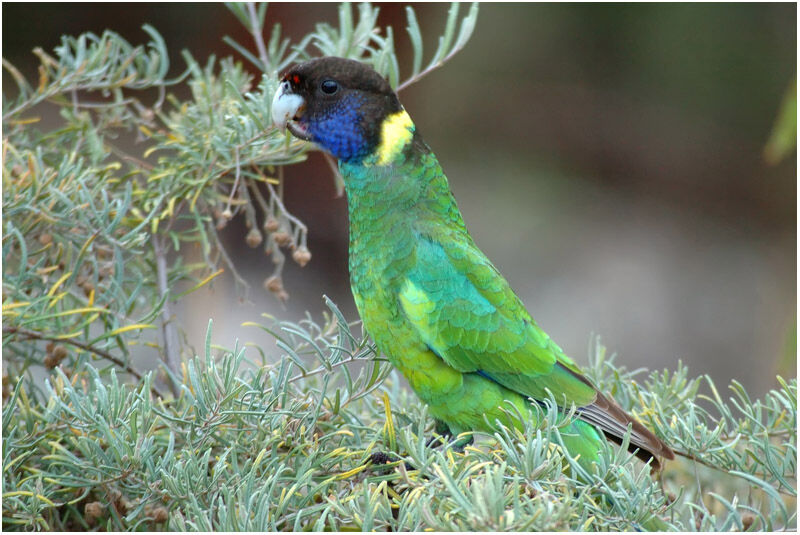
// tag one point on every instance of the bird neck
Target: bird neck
(401, 179)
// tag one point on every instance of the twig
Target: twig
(430, 68)
(34, 335)
(122, 154)
(222, 252)
(171, 356)
(282, 208)
(321, 369)
(257, 192)
(433, 66)
(256, 30)
(707, 464)
(236, 181)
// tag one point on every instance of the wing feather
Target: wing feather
(467, 314)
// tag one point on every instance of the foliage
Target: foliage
(90, 223)
(99, 235)
(327, 438)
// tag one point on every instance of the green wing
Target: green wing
(467, 314)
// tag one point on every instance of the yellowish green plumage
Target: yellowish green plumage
(431, 300)
(436, 306)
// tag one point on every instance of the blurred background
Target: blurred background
(609, 159)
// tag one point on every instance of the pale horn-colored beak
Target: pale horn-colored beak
(287, 108)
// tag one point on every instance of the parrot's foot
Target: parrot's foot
(444, 436)
(380, 458)
(462, 441)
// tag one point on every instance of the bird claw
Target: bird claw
(445, 437)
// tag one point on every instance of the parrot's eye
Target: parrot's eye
(329, 87)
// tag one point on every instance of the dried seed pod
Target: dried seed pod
(106, 270)
(147, 115)
(159, 514)
(125, 505)
(227, 214)
(6, 386)
(274, 284)
(45, 238)
(747, 521)
(114, 495)
(254, 238)
(88, 287)
(55, 356)
(271, 224)
(302, 256)
(60, 352)
(282, 238)
(49, 362)
(92, 511)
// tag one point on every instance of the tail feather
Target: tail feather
(612, 419)
(606, 414)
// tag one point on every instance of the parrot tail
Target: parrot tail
(613, 421)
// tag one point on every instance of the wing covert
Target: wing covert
(467, 314)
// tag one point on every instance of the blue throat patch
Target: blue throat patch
(340, 132)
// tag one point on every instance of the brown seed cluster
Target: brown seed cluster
(6, 386)
(158, 514)
(254, 238)
(54, 355)
(271, 225)
(302, 255)
(282, 238)
(92, 511)
(275, 285)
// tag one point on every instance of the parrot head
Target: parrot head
(339, 104)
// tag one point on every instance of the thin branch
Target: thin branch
(171, 355)
(708, 464)
(34, 335)
(236, 181)
(222, 252)
(282, 208)
(127, 157)
(430, 68)
(256, 30)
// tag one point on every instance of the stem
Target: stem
(282, 208)
(256, 30)
(171, 355)
(236, 181)
(33, 335)
(224, 254)
(708, 464)
(430, 68)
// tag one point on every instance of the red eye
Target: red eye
(296, 79)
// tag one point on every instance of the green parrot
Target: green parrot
(431, 300)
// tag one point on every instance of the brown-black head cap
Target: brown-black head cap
(337, 103)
